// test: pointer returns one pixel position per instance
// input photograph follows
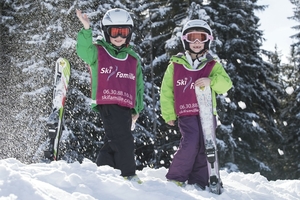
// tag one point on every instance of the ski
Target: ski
(55, 120)
(204, 99)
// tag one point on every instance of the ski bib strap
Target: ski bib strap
(184, 89)
(116, 79)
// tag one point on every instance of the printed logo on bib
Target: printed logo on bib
(114, 71)
(186, 82)
(184, 90)
(117, 79)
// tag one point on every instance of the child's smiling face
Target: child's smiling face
(197, 46)
(119, 41)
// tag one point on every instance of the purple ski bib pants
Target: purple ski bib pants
(189, 162)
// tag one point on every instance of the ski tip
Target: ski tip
(63, 62)
(63, 66)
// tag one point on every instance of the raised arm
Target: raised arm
(83, 19)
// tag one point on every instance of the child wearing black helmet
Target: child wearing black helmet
(195, 68)
(116, 86)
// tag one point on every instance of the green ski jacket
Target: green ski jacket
(220, 84)
(88, 52)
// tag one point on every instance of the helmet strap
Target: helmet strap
(201, 53)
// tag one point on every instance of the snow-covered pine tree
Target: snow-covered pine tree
(5, 14)
(247, 113)
(25, 38)
(290, 113)
(288, 162)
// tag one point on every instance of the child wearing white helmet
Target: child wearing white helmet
(116, 86)
(193, 68)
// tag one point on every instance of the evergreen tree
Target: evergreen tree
(289, 116)
(296, 48)
(275, 59)
(290, 113)
(5, 16)
(4, 43)
(26, 88)
(247, 120)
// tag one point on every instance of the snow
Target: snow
(86, 181)
(289, 90)
(242, 105)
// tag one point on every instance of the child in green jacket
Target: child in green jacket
(195, 68)
(116, 86)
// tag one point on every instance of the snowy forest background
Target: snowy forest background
(259, 118)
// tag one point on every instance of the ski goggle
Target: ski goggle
(192, 37)
(114, 32)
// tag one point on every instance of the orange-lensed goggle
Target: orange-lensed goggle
(114, 32)
(192, 37)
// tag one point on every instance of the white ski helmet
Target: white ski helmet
(119, 18)
(196, 24)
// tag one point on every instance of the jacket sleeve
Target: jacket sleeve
(220, 81)
(85, 48)
(167, 95)
(139, 90)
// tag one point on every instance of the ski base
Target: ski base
(204, 99)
